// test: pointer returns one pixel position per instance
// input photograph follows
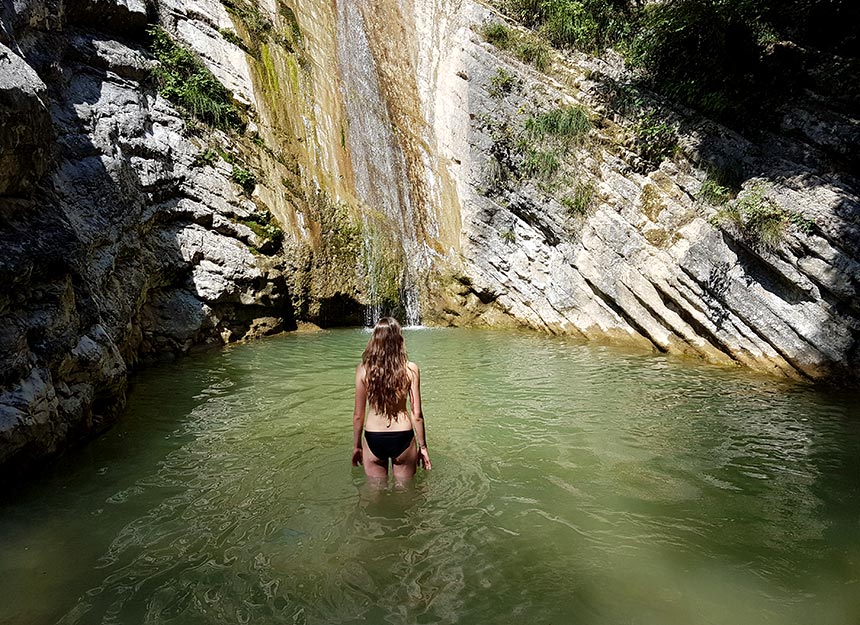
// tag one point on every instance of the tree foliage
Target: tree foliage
(726, 58)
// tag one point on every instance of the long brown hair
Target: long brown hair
(385, 371)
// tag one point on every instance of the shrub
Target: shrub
(508, 235)
(707, 54)
(206, 157)
(266, 229)
(760, 220)
(244, 179)
(184, 80)
(587, 25)
(655, 140)
(502, 83)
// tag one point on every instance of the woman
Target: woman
(383, 380)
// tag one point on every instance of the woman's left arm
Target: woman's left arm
(358, 414)
(417, 415)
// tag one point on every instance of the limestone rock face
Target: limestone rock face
(117, 243)
(646, 263)
(25, 125)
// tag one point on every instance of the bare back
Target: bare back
(378, 422)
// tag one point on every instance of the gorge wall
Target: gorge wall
(381, 167)
(644, 258)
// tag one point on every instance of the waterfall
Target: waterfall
(381, 176)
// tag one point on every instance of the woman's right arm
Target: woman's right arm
(358, 414)
(417, 416)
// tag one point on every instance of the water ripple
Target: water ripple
(571, 483)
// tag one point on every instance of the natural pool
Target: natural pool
(572, 484)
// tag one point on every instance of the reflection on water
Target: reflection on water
(571, 484)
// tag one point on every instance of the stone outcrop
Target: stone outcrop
(646, 263)
(118, 243)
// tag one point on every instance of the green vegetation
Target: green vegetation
(580, 202)
(730, 59)
(533, 146)
(233, 38)
(526, 47)
(267, 230)
(207, 157)
(259, 26)
(294, 32)
(256, 139)
(502, 83)
(226, 156)
(759, 220)
(586, 25)
(714, 193)
(569, 124)
(184, 80)
(508, 236)
(244, 179)
(262, 31)
(498, 34)
(533, 51)
(655, 140)
(340, 232)
(540, 163)
(704, 54)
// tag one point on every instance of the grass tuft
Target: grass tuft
(760, 220)
(580, 202)
(502, 83)
(182, 79)
(569, 124)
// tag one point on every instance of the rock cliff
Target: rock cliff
(119, 242)
(615, 246)
(390, 157)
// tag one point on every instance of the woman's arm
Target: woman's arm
(358, 414)
(417, 415)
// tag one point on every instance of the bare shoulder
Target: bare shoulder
(413, 367)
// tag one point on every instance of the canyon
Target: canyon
(379, 168)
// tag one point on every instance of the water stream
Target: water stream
(572, 484)
(380, 172)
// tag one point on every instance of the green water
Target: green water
(572, 484)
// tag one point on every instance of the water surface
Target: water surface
(572, 484)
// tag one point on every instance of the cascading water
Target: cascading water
(380, 173)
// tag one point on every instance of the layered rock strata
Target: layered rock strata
(117, 242)
(646, 263)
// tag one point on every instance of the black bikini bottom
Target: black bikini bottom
(385, 445)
